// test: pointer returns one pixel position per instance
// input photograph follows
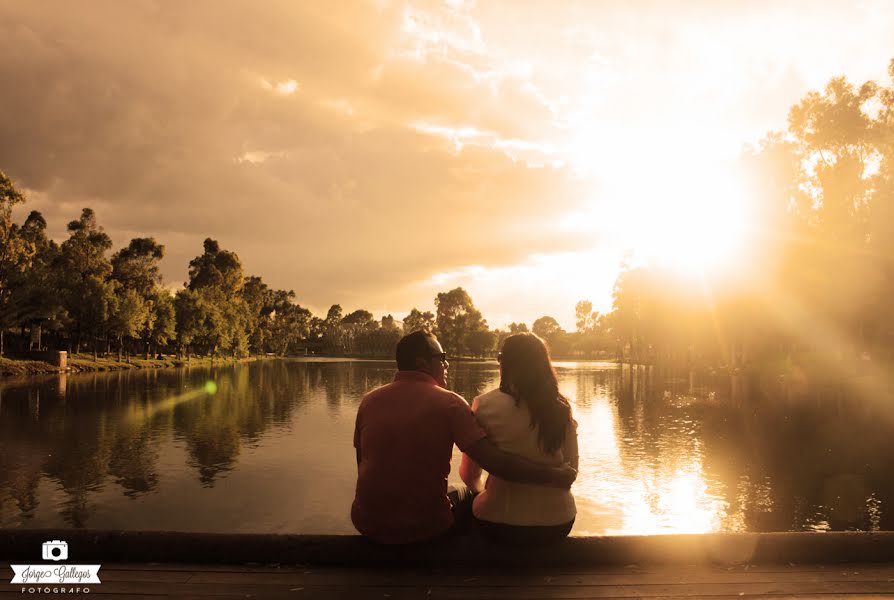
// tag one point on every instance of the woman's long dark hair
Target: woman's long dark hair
(529, 377)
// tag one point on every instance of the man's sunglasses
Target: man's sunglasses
(441, 356)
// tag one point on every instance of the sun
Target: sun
(692, 226)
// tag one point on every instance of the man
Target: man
(404, 436)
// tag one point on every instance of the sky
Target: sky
(375, 153)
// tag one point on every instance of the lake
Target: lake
(266, 447)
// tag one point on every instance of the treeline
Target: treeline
(821, 278)
(80, 297)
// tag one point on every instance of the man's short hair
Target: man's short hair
(412, 346)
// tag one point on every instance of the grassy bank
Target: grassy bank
(82, 363)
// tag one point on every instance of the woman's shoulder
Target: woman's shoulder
(494, 400)
(494, 395)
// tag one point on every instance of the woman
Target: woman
(526, 416)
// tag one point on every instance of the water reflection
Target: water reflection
(267, 447)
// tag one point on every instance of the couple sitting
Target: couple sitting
(522, 434)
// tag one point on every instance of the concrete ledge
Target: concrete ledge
(89, 546)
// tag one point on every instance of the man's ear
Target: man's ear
(421, 364)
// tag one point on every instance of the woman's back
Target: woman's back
(508, 425)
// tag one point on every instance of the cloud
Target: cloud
(350, 151)
(212, 120)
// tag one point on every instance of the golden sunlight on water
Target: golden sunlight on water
(621, 494)
(270, 451)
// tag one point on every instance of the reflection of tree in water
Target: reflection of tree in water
(346, 381)
(80, 463)
(44, 434)
(335, 376)
(779, 465)
(20, 470)
(134, 460)
(107, 424)
(249, 399)
(826, 462)
(649, 425)
(211, 425)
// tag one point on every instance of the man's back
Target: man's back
(405, 433)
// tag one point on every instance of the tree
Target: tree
(216, 269)
(481, 342)
(15, 253)
(137, 268)
(129, 315)
(163, 319)
(189, 318)
(85, 270)
(317, 330)
(360, 317)
(517, 328)
(547, 327)
(333, 315)
(259, 298)
(291, 324)
(584, 317)
(457, 319)
(37, 290)
(352, 328)
(333, 338)
(419, 321)
(216, 275)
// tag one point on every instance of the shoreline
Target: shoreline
(84, 363)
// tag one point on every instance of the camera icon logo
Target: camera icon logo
(55, 550)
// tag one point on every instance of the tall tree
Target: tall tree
(216, 275)
(35, 291)
(259, 298)
(15, 253)
(189, 319)
(291, 324)
(517, 328)
(129, 315)
(216, 269)
(163, 319)
(137, 266)
(584, 317)
(360, 317)
(333, 338)
(85, 271)
(547, 327)
(419, 321)
(457, 319)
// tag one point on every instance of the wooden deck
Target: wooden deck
(153, 580)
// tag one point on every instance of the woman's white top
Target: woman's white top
(509, 427)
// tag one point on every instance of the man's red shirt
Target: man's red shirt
(405, 432)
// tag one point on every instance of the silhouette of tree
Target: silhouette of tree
(419, 321)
